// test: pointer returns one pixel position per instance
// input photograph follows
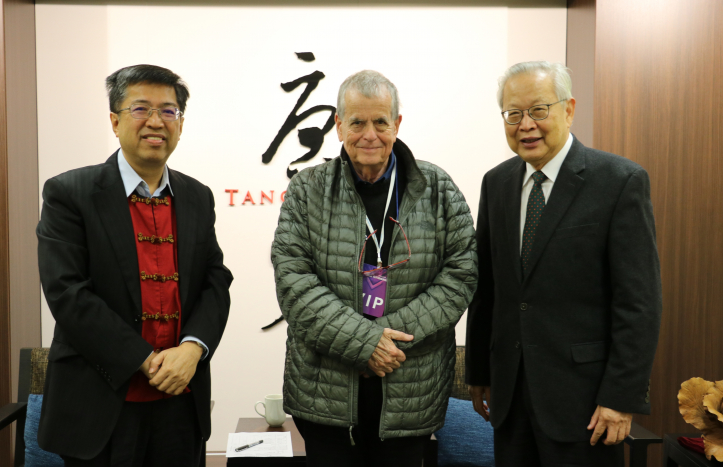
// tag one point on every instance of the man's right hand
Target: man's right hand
(387, 357)
(480, 400)
(145, 368)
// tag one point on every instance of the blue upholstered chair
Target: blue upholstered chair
(26, 412)
(466, 440)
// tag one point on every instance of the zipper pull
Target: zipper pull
(351, 437)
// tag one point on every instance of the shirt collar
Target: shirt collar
(552, 168)
(132, 182)
(386, 176)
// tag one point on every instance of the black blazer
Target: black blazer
(89, 271)
(585, 319)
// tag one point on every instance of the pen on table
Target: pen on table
(241, 448)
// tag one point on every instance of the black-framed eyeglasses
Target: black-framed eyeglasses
(372, 272)
(142, 111)
(536, 112)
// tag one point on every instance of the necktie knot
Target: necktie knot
(539, 177)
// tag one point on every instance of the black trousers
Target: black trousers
(162, 433)
(330, 446)
(521, 442)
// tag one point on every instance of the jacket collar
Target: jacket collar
(387, 174)
(186, 208)
(513, 196)
(416, 181)
(111, 204)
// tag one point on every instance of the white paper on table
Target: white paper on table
(276, 444)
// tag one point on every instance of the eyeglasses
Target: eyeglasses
(141, 112)
(536, 112)
(372, 272)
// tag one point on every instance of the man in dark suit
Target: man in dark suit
(135, 280)
(564, 324)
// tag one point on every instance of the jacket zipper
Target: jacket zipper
(386, 301)
(357, 303)
(384, 405)
(352, 404)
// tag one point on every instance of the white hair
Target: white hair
(560, 77)
(369, 83)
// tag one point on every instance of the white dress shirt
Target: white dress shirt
(551, 170)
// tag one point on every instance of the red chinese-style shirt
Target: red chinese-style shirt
(154, 225)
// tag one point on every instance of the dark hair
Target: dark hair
(118, 83)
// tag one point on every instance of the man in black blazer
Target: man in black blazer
(89, 254)
(564, 324)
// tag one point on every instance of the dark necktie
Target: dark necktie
(535, 206)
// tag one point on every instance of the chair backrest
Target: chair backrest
(459, 387)
(33, 366)
(38, 368)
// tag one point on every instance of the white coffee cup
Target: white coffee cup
(273, 408)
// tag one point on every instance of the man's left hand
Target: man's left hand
(173, 368)
(616, 423)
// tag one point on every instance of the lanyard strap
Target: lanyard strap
(380, 242)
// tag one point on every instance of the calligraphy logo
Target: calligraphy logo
(312, 138)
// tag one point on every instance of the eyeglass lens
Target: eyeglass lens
(539, 112)
(140, 111)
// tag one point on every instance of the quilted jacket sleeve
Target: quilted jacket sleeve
(315, 315)
(433, 314)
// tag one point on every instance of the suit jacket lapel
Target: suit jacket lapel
(512, 197)
(566, 186)
(186, 208)
(111, 205)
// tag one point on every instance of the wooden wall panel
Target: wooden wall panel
(658, 101)
(5, 366)
(19, 281)
(23, 197)
(581, 61)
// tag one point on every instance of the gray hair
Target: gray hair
(369, 83)
(117, 83)
(559, 72)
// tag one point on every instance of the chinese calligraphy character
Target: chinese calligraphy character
(312, 138)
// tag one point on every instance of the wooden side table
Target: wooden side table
(675, 455)
(259, 425)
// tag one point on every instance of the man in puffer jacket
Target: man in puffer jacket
(375, 262)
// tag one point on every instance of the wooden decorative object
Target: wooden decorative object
(699, 402)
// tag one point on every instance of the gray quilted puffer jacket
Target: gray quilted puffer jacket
(316, 247)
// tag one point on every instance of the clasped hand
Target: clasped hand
(170, 371)
(387, 357)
